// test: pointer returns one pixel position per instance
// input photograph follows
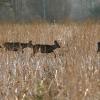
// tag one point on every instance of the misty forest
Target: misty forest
(49, 9)
(49, 49)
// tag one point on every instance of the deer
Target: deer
(98, 44)
(15, 46)
(45, 48)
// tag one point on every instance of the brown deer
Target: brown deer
(15, 46)
(44, 48)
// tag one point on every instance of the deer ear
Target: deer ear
(30, 41)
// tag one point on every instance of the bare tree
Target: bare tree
(17, 8)
(44, 8)
(15, 5)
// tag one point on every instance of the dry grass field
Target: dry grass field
(73, 75)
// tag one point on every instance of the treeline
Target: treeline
(31, 9)
(42, 9)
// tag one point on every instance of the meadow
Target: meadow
(73, 75)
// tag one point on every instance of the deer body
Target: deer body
(43, 48)
(15, 46)
(12, 46)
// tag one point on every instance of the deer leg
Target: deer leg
(54, 54)
(34, 52)
(22, 51)
(98, 49)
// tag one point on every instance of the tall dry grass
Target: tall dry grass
(73, 75)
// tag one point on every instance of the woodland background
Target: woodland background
(27, 10)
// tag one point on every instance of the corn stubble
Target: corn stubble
(73, 75)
